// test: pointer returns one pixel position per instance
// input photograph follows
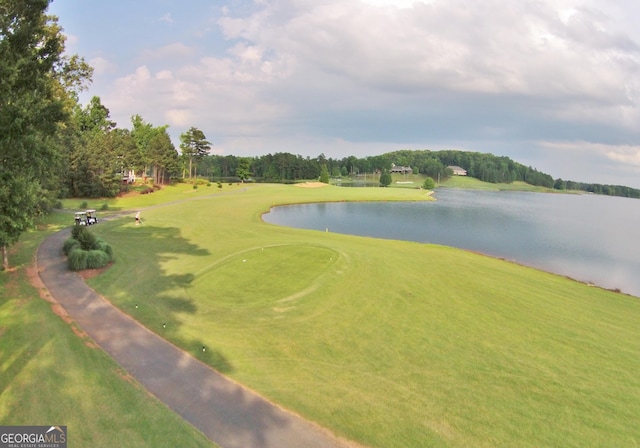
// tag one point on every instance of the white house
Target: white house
(457, 171)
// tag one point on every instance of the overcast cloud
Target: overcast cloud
(550, 83)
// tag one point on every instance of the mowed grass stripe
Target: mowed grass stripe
(391, 344)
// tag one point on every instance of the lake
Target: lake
(589, 238)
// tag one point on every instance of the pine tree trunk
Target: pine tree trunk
(5, 258)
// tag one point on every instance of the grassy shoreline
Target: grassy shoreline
(388, 343)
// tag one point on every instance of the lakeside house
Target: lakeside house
(401, 169)
(457, 171)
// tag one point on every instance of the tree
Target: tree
(324, 174)
(429, 184)
(385, 178)
(242, 170)
(163, 156)
(194, 146)
(96, 152)
(36, 87)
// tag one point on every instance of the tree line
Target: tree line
(287, 167)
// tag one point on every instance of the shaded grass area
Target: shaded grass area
(50, 375)
(389, 343)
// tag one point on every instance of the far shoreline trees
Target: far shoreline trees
(285, 167)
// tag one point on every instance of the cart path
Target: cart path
(227, 413)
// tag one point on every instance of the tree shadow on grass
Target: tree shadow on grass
(164, 308)
(227, 413)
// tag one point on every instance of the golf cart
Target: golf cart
(91, 217)
(81, 218)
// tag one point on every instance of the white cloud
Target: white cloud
(166, 18)
(397, 72)
(102, 66)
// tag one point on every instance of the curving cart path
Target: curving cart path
(228, 414)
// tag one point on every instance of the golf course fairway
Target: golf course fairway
(386, 343)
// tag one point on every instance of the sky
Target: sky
(552, 84)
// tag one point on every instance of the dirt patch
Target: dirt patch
(36, 282)
(312, 185)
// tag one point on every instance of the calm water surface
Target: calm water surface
(587, 237)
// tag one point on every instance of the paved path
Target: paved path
(225, 412)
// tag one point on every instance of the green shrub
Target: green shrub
(109, 251)
(104, 207)
(96, 259)
(429, 184)
(76, 231)
(83, 205)
(104, 247)
(84, 250)
(86, 238)
(69, 245)
(77, 259)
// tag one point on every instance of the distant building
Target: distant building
(129, 177)
(457, 171)
(402, 169)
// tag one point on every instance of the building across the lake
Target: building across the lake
(457, 171)
(402, 169)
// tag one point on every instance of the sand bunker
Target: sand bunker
(312, 185)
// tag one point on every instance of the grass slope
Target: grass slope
(50, 376)
(389, 343)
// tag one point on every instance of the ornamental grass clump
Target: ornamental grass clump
(84, 250)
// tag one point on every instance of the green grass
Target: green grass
(49, 375)
(476, 184)
(388, 343)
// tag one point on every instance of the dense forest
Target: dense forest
(286, 167)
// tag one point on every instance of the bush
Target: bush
(429, 184)
(76, 230)
(104, 247)
(69, 245)
(86, 239)
(84, 205)
(104, 207)
(96, 259)
(77, 259)
(84, 250)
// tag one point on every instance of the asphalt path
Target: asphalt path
(227, 413)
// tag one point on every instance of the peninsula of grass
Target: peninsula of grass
(388, 343)
(52, 375)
